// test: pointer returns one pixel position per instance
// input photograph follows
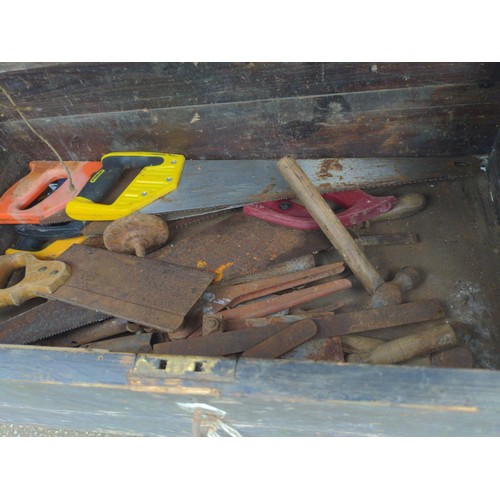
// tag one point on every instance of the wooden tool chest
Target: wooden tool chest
(213, 111)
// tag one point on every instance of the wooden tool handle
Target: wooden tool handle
(330, 224)
(40, 277)
(430, 339)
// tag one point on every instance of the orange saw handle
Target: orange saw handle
(15, 203)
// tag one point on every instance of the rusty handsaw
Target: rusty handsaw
(207, 186)
(143, 291)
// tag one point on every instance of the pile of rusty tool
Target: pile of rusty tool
(145, 253)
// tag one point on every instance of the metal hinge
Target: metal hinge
(181, 374)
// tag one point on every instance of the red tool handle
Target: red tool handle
(359, 207)
(15, 202)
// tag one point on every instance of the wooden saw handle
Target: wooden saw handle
(41, 277)
(330, 224)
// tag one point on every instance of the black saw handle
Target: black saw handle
(112, 169)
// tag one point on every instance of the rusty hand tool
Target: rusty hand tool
(278, 303)
(138, 343)
(90, 333)
(336, 232)
(391, 292)
(216, 299)
(241, 323)
(284, 341)
(232, 295)
(271, 305)
(44, 319)
(226, 343)
(136, 234)
(140, 290)
(452, 357)
(229, 297)
(241, 245)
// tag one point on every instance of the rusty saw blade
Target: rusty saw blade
(144, 291)
(241, 245)
(44, 319)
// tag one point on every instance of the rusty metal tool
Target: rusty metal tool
(273, 304)
(89, 333)
(141, 290)
(241, 323)
(138, 343)
(240, 246)
(284, 341)
(372, 240)
(340, 237)
(226, 343)
(270, 305)
(45, 319)
(137, 234)
(453, 357)
(232, 295)
(218, 298)
(391, 292)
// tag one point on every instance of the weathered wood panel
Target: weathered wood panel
(403, 122)
(494, 175)
(81, 88)
(260, 398)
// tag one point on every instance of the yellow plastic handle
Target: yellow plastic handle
(151, 183)
(53, 250)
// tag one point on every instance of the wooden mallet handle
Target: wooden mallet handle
(330, 224)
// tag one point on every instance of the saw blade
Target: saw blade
(210, 186)
(44, 320)
(141, 290)
(218, 185)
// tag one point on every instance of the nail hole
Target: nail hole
(162, 365)
(42, 269)
(198, 366)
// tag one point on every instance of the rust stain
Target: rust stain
(201, 264)
(219, 272)
(327, 166)
(153, 385)
(260, 197)
(269, 187)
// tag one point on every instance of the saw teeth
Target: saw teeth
(68, 330)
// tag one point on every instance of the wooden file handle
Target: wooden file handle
(430, 339)
(330, 224)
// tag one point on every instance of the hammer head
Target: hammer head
(391, 292)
